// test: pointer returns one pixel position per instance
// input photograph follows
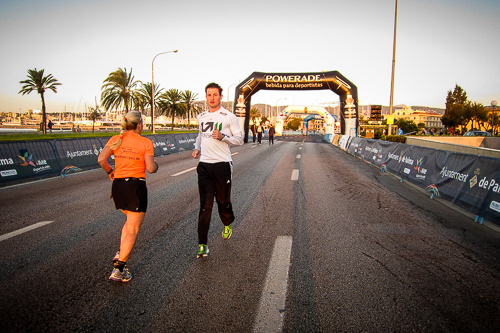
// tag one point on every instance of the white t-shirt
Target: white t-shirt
(213, 150)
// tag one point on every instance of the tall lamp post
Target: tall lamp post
(153, 89)
(493, 104)
(393, 64)
(228, 95)
(277, 107)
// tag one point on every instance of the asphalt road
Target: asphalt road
(368, 254)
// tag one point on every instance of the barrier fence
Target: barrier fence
(23, 160)
(470, 182)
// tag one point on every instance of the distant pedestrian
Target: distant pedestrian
(254, 132)
(50, 125)
(218, 129)
(260, 130)
(134, 155)
(271, 134)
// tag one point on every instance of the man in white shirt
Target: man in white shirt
(218, 129)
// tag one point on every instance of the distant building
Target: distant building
(430, 119)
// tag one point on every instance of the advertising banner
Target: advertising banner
(156, 146)
(344, 142)
(76, 154)
(186, 141)
(166, 144)
(469, 181)
(27, 159)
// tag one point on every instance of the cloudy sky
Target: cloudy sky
(440, 43)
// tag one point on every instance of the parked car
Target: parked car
(477, 133)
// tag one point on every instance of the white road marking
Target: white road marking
(299, 156)
(180, 173)
(295, 174)
(235, 153)
(23, 230)
(272, 302)
(300, 148)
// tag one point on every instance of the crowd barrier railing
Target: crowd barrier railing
(471, 182)
(27, 160)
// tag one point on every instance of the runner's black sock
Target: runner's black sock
(120, 265)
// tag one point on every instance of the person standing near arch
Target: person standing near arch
(272, 131)
(218, 130)
(260, 130)
(254, 132)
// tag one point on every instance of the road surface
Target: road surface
(323, 242)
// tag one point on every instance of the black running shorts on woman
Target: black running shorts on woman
(130, 194)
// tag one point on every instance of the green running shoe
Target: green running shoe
(203, 251)
(226, 234)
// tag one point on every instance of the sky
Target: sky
(439, 44)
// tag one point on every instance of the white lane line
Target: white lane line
(298, 156)
(295, 174)
(300, 148)
(23, 230)
(180, 173)
(235, 153)
(272, 302)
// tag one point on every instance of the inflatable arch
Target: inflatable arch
(334, 81)
(332, 123)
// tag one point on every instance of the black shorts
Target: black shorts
(130, 194)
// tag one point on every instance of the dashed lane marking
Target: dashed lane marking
(272, 302)
(23, 230)
(295, 174)
(182, 172)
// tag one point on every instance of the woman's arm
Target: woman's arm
(103, 161)
(151, 165)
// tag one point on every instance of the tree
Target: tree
(407, 126)
(36, 81)
(171, 104)
(293, 124)
(478, 113)
(118, 89)
(94, 114)
(456, 112)
(188, 99)
(146, 93)
(254, 114)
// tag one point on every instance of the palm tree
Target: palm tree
(36, 81)
(189, 98)
(119, 89)
(146, 94)
(171, 104)
(254, 114)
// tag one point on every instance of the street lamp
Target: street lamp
(277, 107)
(228, 94)
(393, 64)
(153, 89)
(493, 104)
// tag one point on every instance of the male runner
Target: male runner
(218, 129)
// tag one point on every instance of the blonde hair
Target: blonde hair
(129, 123)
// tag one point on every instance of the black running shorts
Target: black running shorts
(130, 194)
